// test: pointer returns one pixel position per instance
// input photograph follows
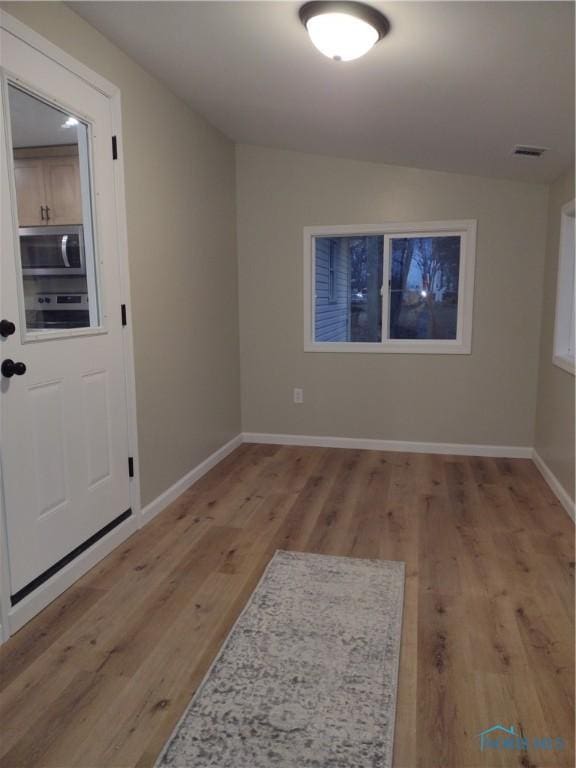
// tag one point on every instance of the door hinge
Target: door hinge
(114, 148)
(123, 313)
(130, 466)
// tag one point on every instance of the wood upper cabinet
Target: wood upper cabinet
(30, 191)
(48, 188)
(62, 184)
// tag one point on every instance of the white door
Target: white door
(64, 409)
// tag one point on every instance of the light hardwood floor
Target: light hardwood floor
(102, 675)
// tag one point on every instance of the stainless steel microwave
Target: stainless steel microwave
(52, 251)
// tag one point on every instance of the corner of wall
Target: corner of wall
(554, 414)
(541, 307)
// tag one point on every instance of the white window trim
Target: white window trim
(462, 345)
(564, 294)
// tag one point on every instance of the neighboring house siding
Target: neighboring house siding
(332, 313)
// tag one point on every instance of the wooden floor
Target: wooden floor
(102, 675)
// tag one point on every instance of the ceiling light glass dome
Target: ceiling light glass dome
(343, 31)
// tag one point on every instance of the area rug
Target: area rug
(307, 677)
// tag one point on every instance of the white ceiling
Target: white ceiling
(36, 124)
(454, 86)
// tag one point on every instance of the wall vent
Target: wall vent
(527, 151)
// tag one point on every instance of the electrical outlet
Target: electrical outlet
(298, 395)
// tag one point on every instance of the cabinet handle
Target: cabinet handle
(42, 212)
(47, 213)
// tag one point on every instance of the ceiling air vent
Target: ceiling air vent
(526, 151)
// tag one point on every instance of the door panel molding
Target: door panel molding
(13, 617)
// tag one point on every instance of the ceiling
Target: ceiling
(454, 86)
(36, 124)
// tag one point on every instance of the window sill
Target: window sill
(392, 347)
(565, 362)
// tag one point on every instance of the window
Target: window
(563, 355)
(333, 246)
(394, 288)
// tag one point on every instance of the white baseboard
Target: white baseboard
(172, 493)
(182, 485)
(41, 597)
(23, 612)
(460, 449)
(557, 488)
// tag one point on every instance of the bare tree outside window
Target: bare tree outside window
(424, 287)
(406, 288)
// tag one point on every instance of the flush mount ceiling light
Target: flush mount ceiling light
(343, 31)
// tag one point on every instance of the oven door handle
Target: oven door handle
(65, 251)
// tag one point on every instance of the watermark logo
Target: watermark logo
(500, 737)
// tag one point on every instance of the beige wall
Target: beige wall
(182, 249)
(555, 408)
(180, 184)
(487, 397)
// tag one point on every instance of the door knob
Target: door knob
(10, 368)
(6, 328)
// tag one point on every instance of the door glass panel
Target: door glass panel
(55, 222)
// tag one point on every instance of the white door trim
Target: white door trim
(12, 618)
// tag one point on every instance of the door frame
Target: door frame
(12, 618)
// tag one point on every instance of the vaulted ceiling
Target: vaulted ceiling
(454, 86)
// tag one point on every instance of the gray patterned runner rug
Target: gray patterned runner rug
(307, 677)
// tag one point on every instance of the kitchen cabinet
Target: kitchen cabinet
(62, 184)
(47, 188)
(29, 174)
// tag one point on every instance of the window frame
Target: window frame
(565, 300)
(461, 345)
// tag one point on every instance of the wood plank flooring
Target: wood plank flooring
(100, 677)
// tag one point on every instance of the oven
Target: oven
(54, 311)
(50, 251)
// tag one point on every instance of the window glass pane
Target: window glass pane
(424, 274)
(332, 296)
(571, 332)
(348, 280)
(52, 175)
(569, 243)
(564, 330)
